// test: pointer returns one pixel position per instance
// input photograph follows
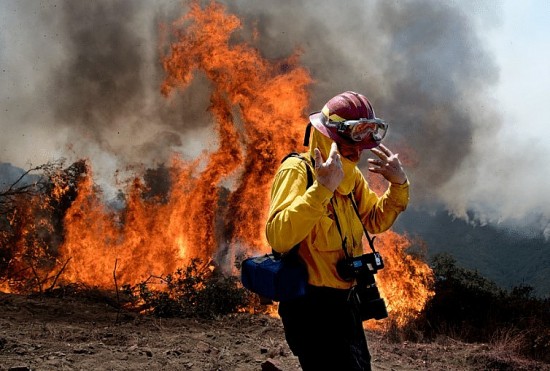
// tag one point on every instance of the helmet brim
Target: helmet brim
(317, 119)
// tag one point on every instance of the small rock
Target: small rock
(19, 368)
(87, 350)
(263, 350)
(20, 351)
(203, 347)
(271, 365)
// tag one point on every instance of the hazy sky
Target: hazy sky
(468, 81)
(520, 43)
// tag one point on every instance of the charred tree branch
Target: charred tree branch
(117, 294)
(58, 275)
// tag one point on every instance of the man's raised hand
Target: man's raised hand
(388, 165)
(330, 172)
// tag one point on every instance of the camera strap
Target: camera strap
(369, 238)
(344, 239)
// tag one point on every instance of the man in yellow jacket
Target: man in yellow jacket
(322, 328)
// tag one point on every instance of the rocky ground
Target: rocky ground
(87, 334)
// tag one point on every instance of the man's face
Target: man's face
(352, 153)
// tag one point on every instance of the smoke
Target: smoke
(81, 79)
(420, 63)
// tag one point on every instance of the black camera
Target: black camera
(360, 267)
(365, 295)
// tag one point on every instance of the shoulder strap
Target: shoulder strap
(309, 171)
(308, 167)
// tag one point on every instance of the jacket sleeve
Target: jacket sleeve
(294, 210)
(379, 213)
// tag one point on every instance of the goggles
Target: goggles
(361, 129)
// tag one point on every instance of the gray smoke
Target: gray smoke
(81, 79)
(419, 62)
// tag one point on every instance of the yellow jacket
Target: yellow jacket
(306, 216)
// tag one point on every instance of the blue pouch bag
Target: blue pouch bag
(278, 279)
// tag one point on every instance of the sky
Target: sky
(465, 82)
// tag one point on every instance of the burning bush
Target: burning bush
(198, 290)
(31, 224)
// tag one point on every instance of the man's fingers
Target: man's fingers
(385, 149)
(383, 152)
(318, 158)
(333, 151)
(379, 153)
(376, 161)
(332, 159)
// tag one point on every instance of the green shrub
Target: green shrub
(471, 308)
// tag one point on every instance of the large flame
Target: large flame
(257, 106)
(266, 99)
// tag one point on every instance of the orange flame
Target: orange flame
(406, 282)
(152, 238)
(270, 96)
(258, 108)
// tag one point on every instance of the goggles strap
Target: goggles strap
(307, 134)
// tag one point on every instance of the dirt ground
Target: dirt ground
(83, 334)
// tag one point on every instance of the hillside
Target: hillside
(507, 257)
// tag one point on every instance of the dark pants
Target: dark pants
(324, 331)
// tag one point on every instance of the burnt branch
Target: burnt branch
(36, 278)
(58, 274)
(117, 293)
(19, 188)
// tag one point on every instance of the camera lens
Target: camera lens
(370, 304)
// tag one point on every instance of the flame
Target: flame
(270, 96)
(149, 238)
(257, 106)
(406, 281)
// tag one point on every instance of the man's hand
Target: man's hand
(387, 165)
(329, 173)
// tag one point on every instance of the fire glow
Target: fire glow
(257, 107)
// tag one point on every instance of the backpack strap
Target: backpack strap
(308, 166)
(309, 171)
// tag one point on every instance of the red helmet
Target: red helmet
(349, 118)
